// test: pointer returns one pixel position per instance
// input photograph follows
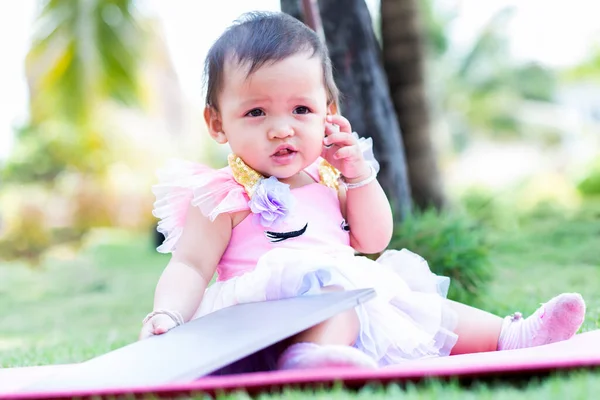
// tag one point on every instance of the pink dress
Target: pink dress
(310, 249)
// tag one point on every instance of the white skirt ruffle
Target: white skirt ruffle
(408, 319)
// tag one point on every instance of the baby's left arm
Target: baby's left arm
(367, 209)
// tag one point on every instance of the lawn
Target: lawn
(74, 308)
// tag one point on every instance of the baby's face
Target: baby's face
(275, 118)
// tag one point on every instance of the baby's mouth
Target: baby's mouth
(283, 152)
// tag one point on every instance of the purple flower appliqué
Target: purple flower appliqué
(271, 201)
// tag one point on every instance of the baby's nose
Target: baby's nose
(281, 131)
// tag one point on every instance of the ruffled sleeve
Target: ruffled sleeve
(366, 147)
(182, 183)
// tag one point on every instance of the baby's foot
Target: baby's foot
(311, 355)
(557, 320)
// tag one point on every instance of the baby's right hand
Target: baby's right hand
(157, 325)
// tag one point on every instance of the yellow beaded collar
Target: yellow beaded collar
(248, 178)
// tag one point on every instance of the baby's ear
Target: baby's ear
(214, 124)
(332, 108)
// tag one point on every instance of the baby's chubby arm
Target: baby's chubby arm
(369, 215)
(367, 209)
(188, 273)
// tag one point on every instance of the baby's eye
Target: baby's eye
(257, 112)
(302, 110)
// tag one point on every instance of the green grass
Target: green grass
(546, 252)
(70, 310)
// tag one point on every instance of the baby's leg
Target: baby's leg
(328, 344)
(341, 329)
(477, 330)
(557, 320)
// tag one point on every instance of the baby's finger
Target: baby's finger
(340, 139)
(146, 331)
(342, 122)
(346, 152)
(330, 129)
(162, 324)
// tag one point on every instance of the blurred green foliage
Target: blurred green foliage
(46, 150)
(478, 89)
(590, 184)
(589, 70)
(85, 56)
(454, 245)
(28, 239)
(83, 53)
(535, 82)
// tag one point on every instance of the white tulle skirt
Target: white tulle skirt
(408, 319)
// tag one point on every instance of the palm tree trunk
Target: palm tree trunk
(366, 102)
(404, 62)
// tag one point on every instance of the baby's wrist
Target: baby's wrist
(174, 315)
(361, 180)
(364, 174)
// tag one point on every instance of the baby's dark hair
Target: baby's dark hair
(257, 38)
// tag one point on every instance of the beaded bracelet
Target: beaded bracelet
(174, 315)
(364, 182)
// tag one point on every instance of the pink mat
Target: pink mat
(583, 351)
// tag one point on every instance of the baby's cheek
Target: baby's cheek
(317, 134)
